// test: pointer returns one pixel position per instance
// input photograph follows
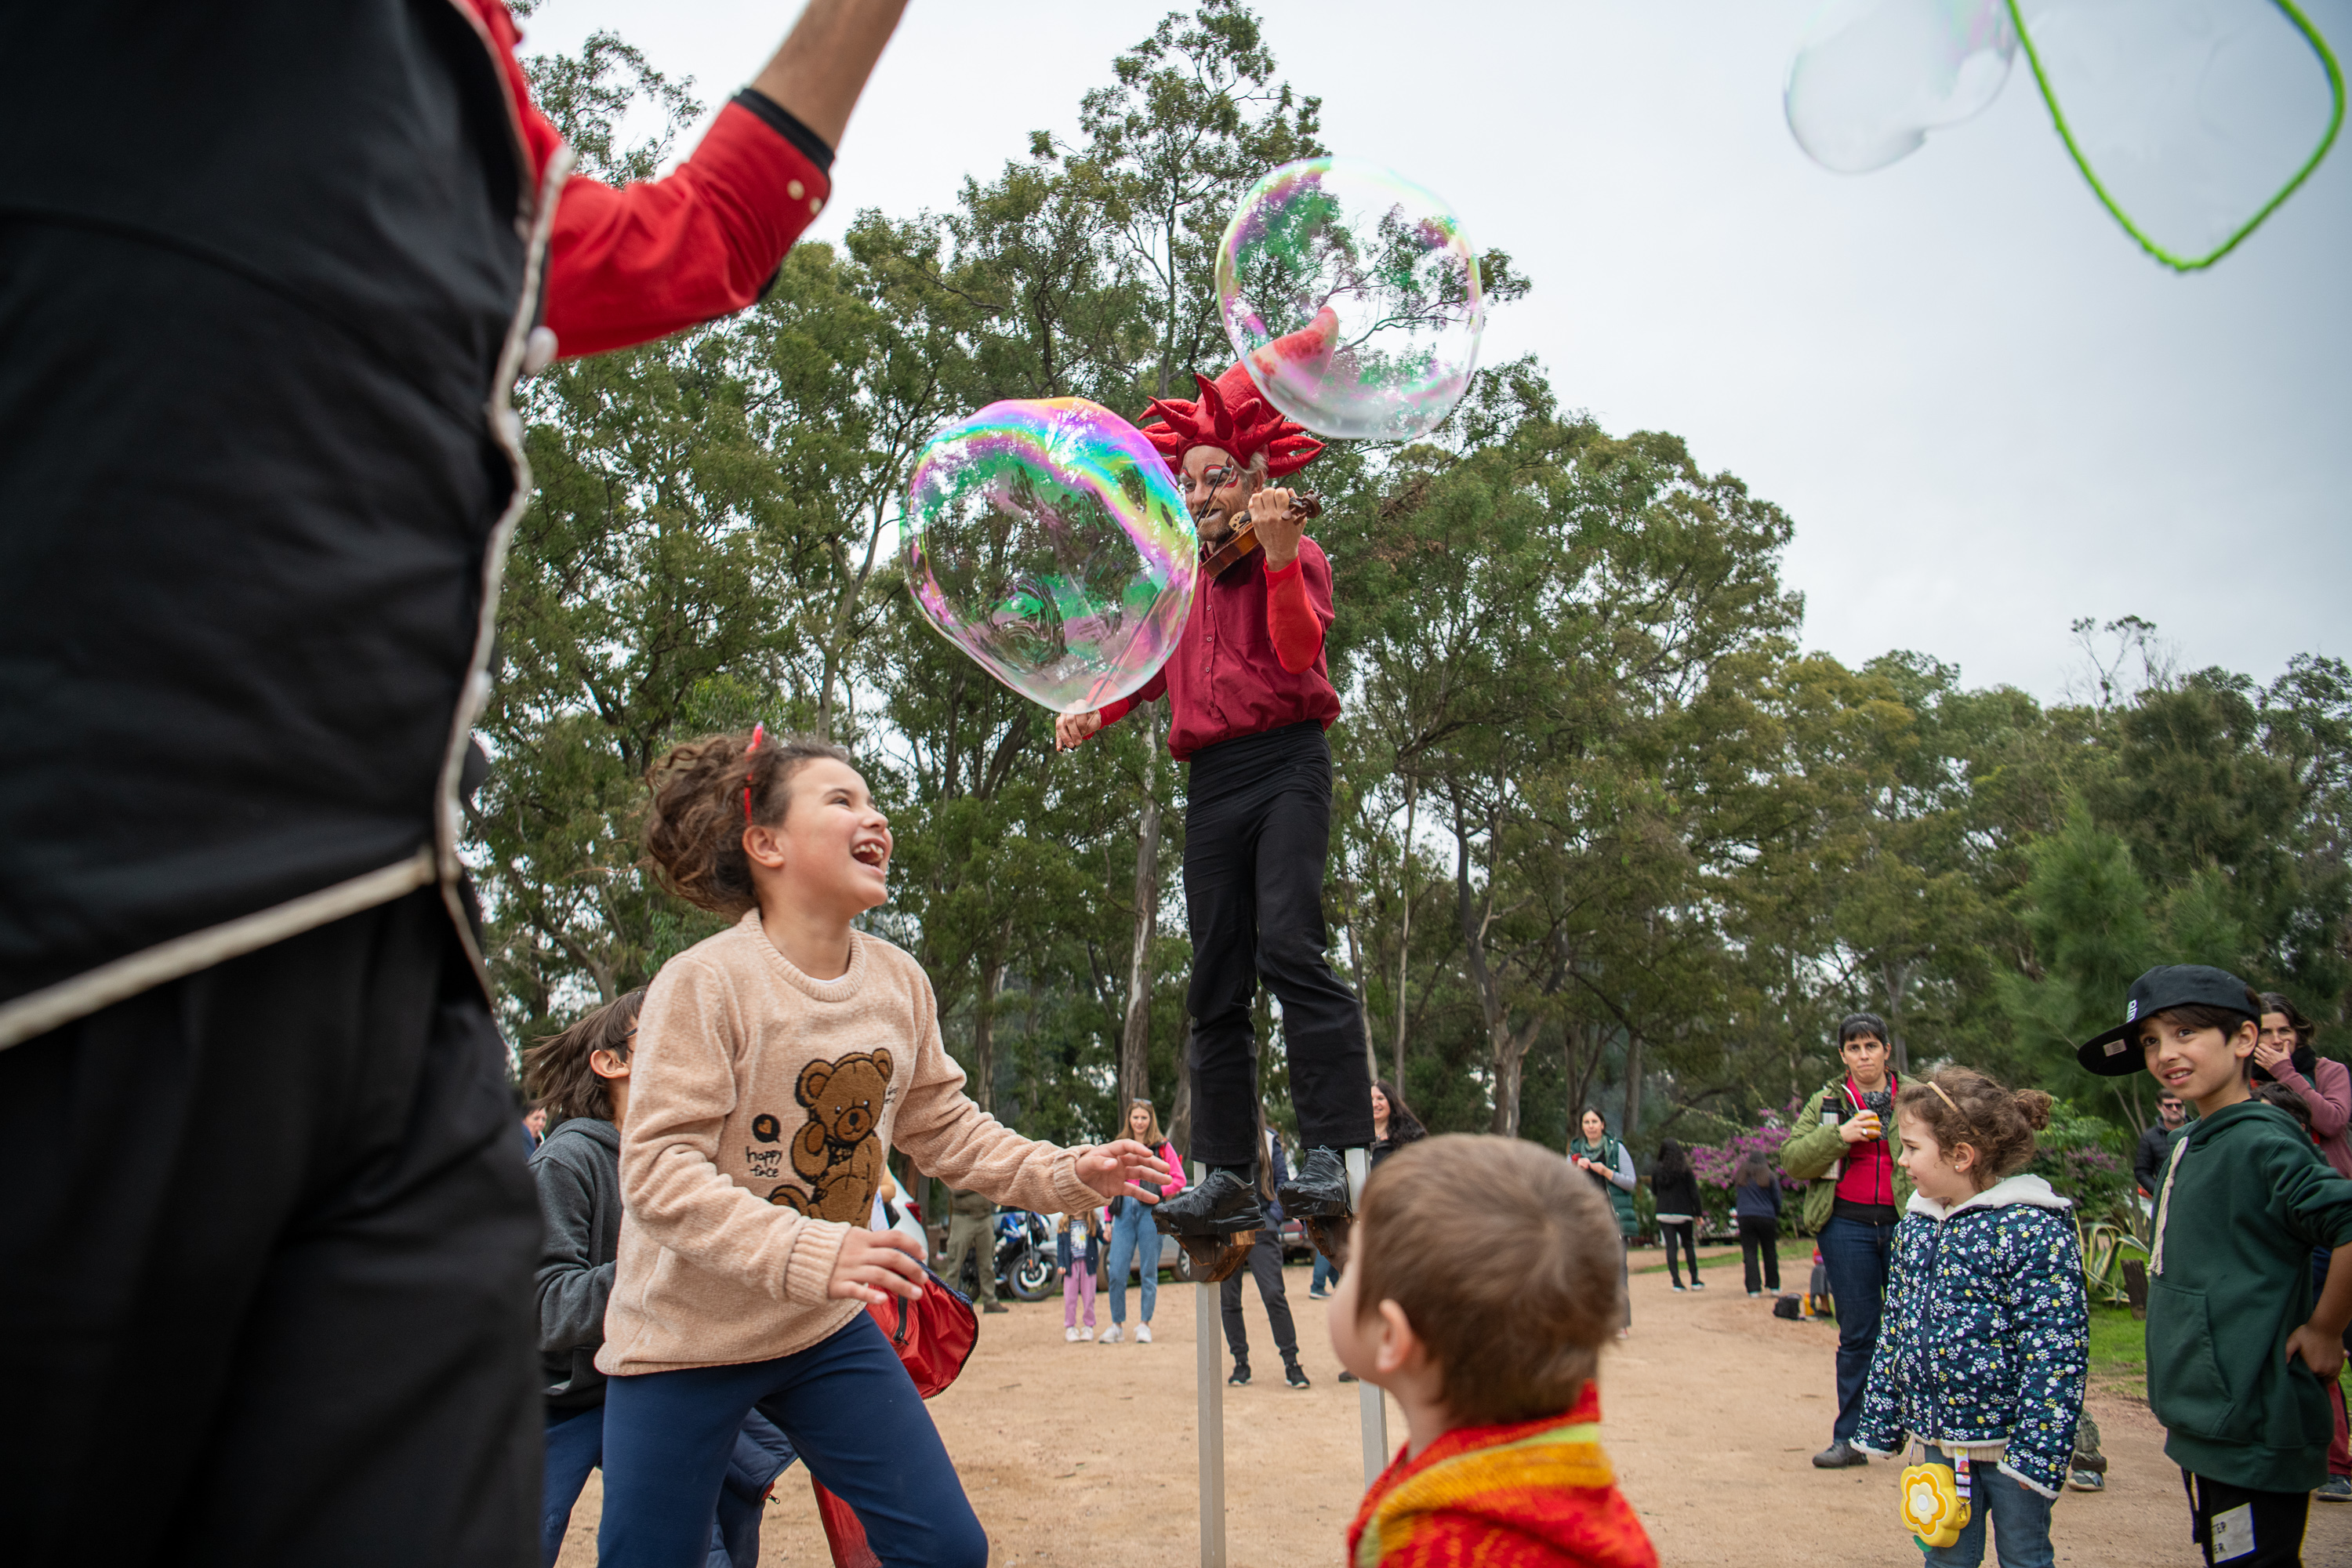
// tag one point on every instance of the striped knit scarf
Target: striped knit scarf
(1527, 1474)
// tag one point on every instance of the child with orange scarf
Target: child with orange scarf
(1480, 1286)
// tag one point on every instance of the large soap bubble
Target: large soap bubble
(1872, 78)
(2191, 118)
(1388, 262)
(1046, 538)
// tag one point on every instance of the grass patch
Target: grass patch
(2118, 1353)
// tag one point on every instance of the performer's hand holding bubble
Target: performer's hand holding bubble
(1370, 278)
(1047, 540)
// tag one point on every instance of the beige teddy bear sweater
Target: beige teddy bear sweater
(762, 1103)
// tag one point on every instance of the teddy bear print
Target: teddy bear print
(838, 1153)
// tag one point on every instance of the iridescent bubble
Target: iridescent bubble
(1872, 78)
(2191, 118)
(1379, 269)
(1046, 538)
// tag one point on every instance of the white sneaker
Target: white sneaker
(1071, 1335)
(1143, 1333)
(1086, 1333)
(1112, 1336)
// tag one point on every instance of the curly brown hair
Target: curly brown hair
(694, 828)
(1973, 1110)
(556, 1070)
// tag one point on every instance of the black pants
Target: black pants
(267, 1242)
(1257, 829)
(1265, 1268)
(1761, 1237)
(1685, 1234)
(2273, 1519)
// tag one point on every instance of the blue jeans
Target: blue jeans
(575, 1446)
(1856, 1256)
(854, 1417)
(2020, 1515)
(1133, 1236)
(1327, 1274)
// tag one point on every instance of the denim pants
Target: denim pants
(1326, 1275)
(1856, 1256)
(854, 1417)
(2020, 1515)
(1133, 1236)
(575, 1446)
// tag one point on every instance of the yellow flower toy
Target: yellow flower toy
(1933, 1501)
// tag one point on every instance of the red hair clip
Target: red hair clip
(759, 734)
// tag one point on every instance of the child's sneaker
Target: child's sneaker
(1294, 1375)
(1143, 1333)
(2334, 1489)
(1112, 1336)
(1087, 1333)
(1697, 1283)
(1070, 1335)
(2086, 1481)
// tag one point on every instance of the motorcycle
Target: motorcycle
(1024, 1259)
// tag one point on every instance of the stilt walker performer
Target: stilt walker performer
(1250, 698)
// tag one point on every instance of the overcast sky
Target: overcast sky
(1987, 411)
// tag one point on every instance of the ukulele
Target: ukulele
(1221, 558)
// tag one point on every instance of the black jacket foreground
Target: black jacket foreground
(253, 460)
(578, 1173)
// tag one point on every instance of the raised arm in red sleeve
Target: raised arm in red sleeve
(1150, 692)
(1291, 619)
(627, 266)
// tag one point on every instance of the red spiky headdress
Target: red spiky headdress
(1232, 415)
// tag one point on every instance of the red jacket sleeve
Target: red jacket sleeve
(626, 266)
(1293, 619)
(629, 265)
(1148, 691)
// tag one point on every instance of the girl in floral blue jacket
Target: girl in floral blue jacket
(1986, 1338)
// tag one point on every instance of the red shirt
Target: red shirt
(1251, 657)
(1869, 1173)
(628, 266)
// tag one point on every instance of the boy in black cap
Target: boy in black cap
(2238, 1355)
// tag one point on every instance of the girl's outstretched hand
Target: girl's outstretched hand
(876, 1265)
(1114, 1169)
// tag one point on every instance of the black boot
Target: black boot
(1318, 1189)
(1222, 1204)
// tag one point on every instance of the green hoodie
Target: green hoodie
(2244, 1199)
(1815, 1147)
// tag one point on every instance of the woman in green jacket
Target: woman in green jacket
(1604, 1159)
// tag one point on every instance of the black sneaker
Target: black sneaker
(1346, 1377)
(1296, 1375)
(1318, 1189)
(1241, 1373)
(1840, 1454)
(1222, 1204)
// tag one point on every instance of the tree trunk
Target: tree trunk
(1135, 1039)
(1179, 1119)
(1501, 1054)
(1404, 925)
(1632, 1086)
(983, 1030)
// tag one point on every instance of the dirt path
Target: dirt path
(1084, 1453)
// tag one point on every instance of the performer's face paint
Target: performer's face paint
(1217, 489)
